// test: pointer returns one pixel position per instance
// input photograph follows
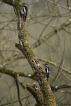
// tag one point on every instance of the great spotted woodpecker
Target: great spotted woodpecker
(24, 11)
(46, 70)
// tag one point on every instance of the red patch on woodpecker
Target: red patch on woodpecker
(24, 14)
(46, 75)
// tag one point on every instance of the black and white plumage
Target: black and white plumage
(46, 70)
(24, 11)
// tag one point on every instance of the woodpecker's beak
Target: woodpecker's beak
(44, 64)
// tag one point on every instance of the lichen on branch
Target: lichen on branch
(26, 49)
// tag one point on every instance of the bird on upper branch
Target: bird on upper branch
(24, 11)
(46, 70)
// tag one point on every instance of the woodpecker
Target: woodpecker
(24, 11)
(46, 70)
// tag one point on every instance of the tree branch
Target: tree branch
(25, 48)
(10, 2)
(18, 91)
(13, 101)
(11, 72)
(48, 36)
(36, 94)
(56, 88)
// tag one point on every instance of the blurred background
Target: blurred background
(50, 43)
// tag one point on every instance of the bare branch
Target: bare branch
(10, 2)
(14, 101)
(56, 88)
(11, 72)
(18, 91)
(36, 94)
(48, 36)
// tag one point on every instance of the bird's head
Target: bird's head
(46, 65)
(24, 4)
